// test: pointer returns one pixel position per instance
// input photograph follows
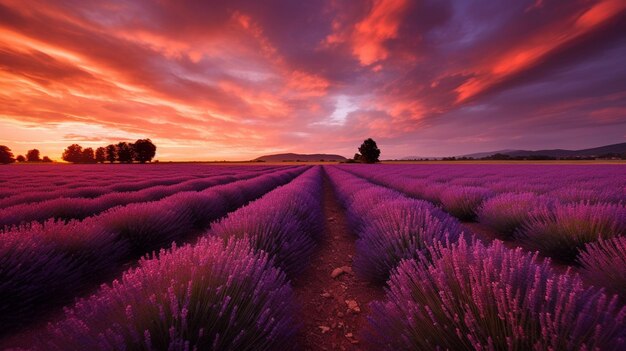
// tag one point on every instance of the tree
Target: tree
(6, 156)
(111, 153)
(20, 158)
(369, 151)
(100, 155)
(125, 153)
(357, 157)
(73, 153)
(88, 156)
(33, 156)
(46, 159)
(144, 150)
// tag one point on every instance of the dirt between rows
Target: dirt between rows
(333, 309)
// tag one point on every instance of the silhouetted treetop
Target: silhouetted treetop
(100, 155)
(33, 156)
(369, 151)
(125, 152)
(144, 150)
(73, 153)
(88, 156)
(111, 153)
(6, 156)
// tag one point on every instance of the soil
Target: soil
(330, 320)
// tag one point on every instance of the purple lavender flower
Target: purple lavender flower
(506, 212)
(476, 297)
(565, 229)
(463, 201)
(209, 296)
(397, 230)
(604, 264)
(286, 223)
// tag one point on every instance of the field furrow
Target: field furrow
(229, 286)
(80, 208)
(44, 265)
(349, 257)
(435, 274)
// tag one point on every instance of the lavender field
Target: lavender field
(238, 257)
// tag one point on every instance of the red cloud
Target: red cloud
(535, 49)
(368, 36)
(251, 77)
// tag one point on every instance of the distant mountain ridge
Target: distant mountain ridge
(596, 151)
(300, 157)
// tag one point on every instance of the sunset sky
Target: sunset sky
(238, 79)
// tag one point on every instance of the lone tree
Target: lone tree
(73, 153)
(20, 158)
(369, 151)
(33, 156)
(125, 152)
(6, 156)
(46, 159)
(111, 152)
(100, 155)
(144, 150)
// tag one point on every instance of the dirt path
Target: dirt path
(334, 310)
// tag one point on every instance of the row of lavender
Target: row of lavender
(449, 291)
(46, 264)
(228, 291)
(586, 231)
(80, 182)
(570, 183)
(46, 177)
(69, 207)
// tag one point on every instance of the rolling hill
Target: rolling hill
(596, 151)
(300, 157)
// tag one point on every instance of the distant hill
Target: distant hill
(485, 154)
(596, 151)
(300, 157)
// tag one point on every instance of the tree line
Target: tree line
(6, 156)
(142, 151)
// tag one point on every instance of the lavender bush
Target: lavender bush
(564, 230)
(148, 226)
(363, 200)
(203, 207)
(505, 213)
(211, 296)
(463, 201)
(397, 230)
(476, 297)
(44, 264)
(604, 264)
(285, 223)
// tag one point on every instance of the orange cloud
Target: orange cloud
(234, 80)
(368, 36)
(532, 51)
(307, 84)
(380, 25)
